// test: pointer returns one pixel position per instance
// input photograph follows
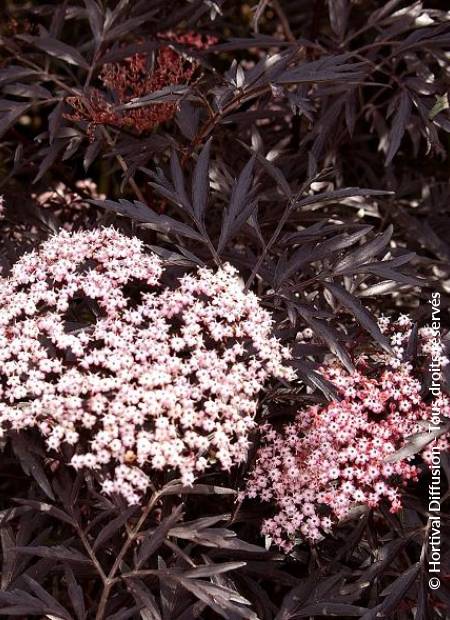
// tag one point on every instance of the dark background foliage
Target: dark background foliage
(309, 148)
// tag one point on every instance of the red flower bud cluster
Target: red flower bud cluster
(137, 76)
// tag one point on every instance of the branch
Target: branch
(111, 579)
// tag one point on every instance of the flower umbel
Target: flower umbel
(96, 354)
(333, 457)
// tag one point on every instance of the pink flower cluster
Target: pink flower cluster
(334, 457)
(96, 354)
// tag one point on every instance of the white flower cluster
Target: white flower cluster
(147, 378)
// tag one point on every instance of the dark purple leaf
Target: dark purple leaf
(145, 598)
(48, 600)
(187, 119)
(361, 315)
(363, 253)
(387, 9)
(417, 442)
(315, 380)
(339, 11)
(117, 54)
(241, 205)
(200, 183)
(31, 464)
(75, 592)
(220, 538)
(276, 174)
(61, 50)
(48, 509)
(399, 124)
(113, 527)
(95, 16)
(328, 335)
(413, 343)
(326, 69)
(383, 271)
(197, 489)
(52, 153)
(155, 539)
(221, 600)
(129, 25)
(30, 91)
(12, 73)
(58, 20)
(142, 213)
(210, 570)
(8, 556)
(91, 154)
(165, 95)
(11, 513)
(309, 252)
(337, 195)
(55, 119)
(396, 592)
(58, 552)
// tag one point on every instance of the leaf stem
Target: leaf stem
(284, 218)
(90, 552)
(283, 21)
(111, 579)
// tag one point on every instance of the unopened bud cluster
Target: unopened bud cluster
(137, 76)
